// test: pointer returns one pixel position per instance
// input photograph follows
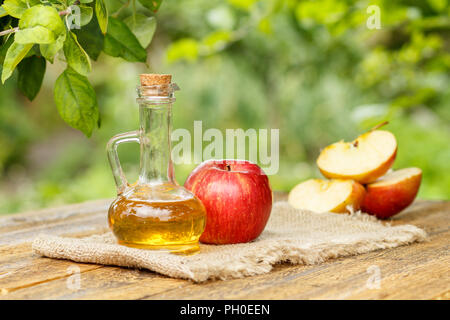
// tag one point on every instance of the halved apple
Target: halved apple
(327, 195)
(365, 159)
(392, 193)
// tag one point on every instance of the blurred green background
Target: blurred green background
(313, 69)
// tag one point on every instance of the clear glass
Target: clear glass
(154, 212)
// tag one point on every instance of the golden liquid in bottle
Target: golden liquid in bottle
(174, 224)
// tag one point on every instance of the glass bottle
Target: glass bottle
(154, 212)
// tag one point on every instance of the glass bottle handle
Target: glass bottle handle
(113, 157)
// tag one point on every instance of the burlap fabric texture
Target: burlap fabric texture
(291, 236)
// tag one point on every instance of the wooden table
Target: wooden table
(417, 271)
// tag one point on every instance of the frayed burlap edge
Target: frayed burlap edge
(282, 241)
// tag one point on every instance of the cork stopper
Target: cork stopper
(154, 79)
(156, 85)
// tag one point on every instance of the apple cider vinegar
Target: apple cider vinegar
(155, 212)
(159, 224)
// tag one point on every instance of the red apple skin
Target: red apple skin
(237, 197)
(387, 200)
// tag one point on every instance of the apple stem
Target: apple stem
(228, 167)
(378, 126)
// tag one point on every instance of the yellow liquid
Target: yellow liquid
(174, 225)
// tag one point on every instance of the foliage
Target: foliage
(320, 74)
(406, 62)
(38, 30)
(316, 72)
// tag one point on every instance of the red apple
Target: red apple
(237, 197)
(327, 195)
(392, 193)
(365, 159)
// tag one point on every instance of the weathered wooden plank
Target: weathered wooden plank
(425, 263)
(443, 296)
(104, 283)
(19, 268)
(422, 214)
(14, 257)
(32, 218)
(418, 282)
(28, 276)
(94, 223)
(8, 252)
(36, 271)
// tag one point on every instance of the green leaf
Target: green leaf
(76, 101)
(31, 73)
(86, 14)
(102, 15)
(3, 12)
(80, 16)
(143, 28)
(47, 17)
(36, 34)
(3, 49)
(16, 8)
(121, 42)
(16, 52)
(76, 57)
(86, 1)
(50, 50)
(151, 4)
(91, 38)
(34, 51)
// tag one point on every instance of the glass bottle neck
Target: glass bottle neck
(156, 165)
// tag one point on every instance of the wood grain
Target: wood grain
(417, 271)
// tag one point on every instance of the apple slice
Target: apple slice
(392, 193)
(327, 195)
(364, 160)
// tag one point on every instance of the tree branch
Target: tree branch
(5, 32)
(64, 12)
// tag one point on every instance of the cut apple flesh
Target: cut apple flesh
(326, 195)
(365, 159)
(397, 176)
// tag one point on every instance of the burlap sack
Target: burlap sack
(293, 236)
